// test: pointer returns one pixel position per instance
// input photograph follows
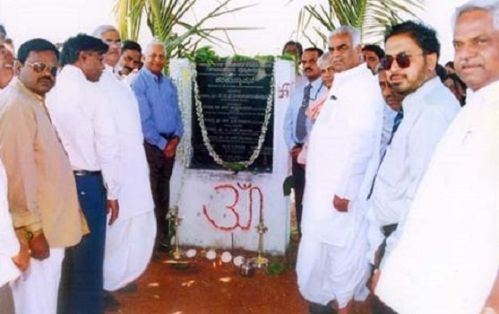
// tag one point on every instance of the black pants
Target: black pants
(377, 306)
(160, 172)
(298, 173)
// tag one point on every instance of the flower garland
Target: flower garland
(234, 165)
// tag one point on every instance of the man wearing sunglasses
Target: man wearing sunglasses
(412, 51)
(42, 192)
(447, 259)
(84, 121)
(342, 156)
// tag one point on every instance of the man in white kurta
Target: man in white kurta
(130, 241)
(447, 258)
(9, 250)
(342, 157)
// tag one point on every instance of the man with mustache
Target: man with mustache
(84, 121)
(129, 241)
(447, 258)
(342, 156)
(296, 123)
(393, 106)
(428, 108)
(130, 60)
(42, 191)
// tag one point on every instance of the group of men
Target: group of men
(400, 194)
(85, 166)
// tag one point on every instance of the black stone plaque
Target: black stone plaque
(234, 97)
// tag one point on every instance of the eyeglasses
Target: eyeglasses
(39, 67)
(403, 60)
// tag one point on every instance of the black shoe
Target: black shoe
(316, 308)
(110, 302)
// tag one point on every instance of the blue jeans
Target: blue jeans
(81, 289)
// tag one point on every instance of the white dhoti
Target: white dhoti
(130, 240)
(37, 289)
(129, 246)
(327, 272)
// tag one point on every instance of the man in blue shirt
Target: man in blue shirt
(162, 127)
(297, 125)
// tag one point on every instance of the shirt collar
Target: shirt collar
(487, 94)
(23, 89)
(358, 70)
(415, 98)
(152, 75)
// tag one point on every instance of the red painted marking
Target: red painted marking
(234, 208)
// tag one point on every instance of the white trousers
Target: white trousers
(37, 289)
(129, 246)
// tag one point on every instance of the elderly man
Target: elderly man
(84, 121)
(447, 259)
(342, 157)
(162, 127)
(6, 65)
(130, 241)
(428, 108)
(296, 123)
(42, 191)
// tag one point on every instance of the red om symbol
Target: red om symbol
(233, 206)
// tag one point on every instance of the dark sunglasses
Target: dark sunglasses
(39, 67)
(403, 61)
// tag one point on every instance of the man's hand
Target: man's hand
(374, 280)
(113, 208)
(340, 204)
(295, 151)
(23, 258)
(39, 247)
(171, 147)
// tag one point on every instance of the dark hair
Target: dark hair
(376, 49)
(2, 30)
(293, 43)
(424, 36)
(318, 50)
(458, 82)
(130, 45)
(441, 72)
(73, 46)
(37, 44)
(450, 64)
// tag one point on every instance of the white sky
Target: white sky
(57, 20)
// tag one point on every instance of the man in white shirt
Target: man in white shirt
(447, 258)
(342, 156)
(129, 241)
(297, 124)
(412, 51)
(84, 121)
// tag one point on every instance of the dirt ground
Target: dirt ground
(208, 287)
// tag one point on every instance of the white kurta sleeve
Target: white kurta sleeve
(107, 144)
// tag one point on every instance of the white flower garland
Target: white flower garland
(261, 138)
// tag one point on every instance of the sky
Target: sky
(276, 21)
